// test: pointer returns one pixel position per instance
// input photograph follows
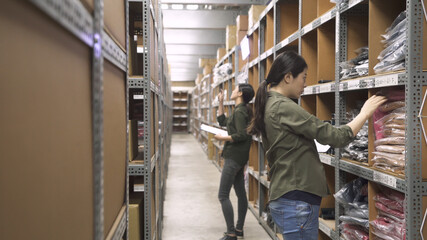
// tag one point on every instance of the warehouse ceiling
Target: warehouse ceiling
(195, 29)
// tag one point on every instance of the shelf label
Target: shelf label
(325, 229)
(285, 42)
(327, 16)
(385, 179)
(351, 3)
(308, 28)
(138, 97)
(325, 159)
(389, 80)
(313, 90)
(307, 90)
(325, 88)
(353, 84)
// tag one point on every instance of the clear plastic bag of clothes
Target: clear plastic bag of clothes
(392, 36)
(353, 232)
(390, 141)
(362, 212)
(399, 149)
(396, 21)
(390, 106)
(393, 132)
(387, 167)
(357, 66)
(352, 192)
(386, 228)
(390, 203)
(358, 221)
(390, 211)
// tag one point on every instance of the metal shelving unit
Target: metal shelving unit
(157, 111)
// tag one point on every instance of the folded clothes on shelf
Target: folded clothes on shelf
(356, 67)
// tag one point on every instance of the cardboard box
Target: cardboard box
(239, 36)
(220, 53)
(199, 78)
(135, 219)
(207, 61)
(253, 14)
(242, 23)
(207, 70)
(230, 35)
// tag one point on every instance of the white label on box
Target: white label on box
(325, 159)
(353, 84)
(325, 88)
(138, 97)
(389, 80)
(385, 179)
(325, 229)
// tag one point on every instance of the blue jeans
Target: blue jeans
(297, 220)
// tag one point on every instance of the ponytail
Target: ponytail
(256, 126)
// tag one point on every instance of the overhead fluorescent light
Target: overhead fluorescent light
(192, 6)
(165, 6)
(177, 6)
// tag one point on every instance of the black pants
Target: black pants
(233, 174)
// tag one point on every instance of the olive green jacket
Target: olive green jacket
(238, 149)
(290, 149)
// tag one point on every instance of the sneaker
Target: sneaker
(239, 234)
(227, 237)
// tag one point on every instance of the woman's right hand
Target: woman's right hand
(221, 96)
(372, 104)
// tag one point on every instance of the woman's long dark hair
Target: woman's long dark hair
(286, 62)
(248, 94)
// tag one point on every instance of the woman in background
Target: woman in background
(236, 155)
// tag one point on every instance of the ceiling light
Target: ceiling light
(165, 6)
(192, 7)
(177, 6)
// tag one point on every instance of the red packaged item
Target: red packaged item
(388, 229)
(390, 203)
(353, 232)
(390, 106)
(385, 209)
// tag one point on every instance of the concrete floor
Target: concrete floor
(192, 209)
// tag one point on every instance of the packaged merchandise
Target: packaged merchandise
(356, 67)
(222, 72)
(391, 149)
(390, 222)
(353, 232)
(392, 58)
(390, 106)
(358, 149)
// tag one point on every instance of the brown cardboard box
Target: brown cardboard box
(207, 70)
(239, 36)
(220, 53)
(242, 23)
(230, 35)
(135, 210)
(199, 78)
(207, 61)
(253, 14)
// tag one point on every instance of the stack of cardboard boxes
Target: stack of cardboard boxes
(207, 64)
(254, 13)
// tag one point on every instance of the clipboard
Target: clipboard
(213, 130)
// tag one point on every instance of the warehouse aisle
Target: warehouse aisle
(192, 209)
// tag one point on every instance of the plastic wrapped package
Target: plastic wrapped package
(391, 149)
(390, 141)
(357, 212)
(356, 67)
(392, 118)
(387, 167)
(392, 212)
(391, 217)
(390, 106)
(390, 203)
(386, 228)
(354, 220)
(222, 72)
(396, 159)
(352, 192)
(395, 126)
(358, 149)
(392, 58)
(353, 232)
(393, 132)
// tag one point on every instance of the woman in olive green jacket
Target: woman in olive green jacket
(236, 155)
(298, 180)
